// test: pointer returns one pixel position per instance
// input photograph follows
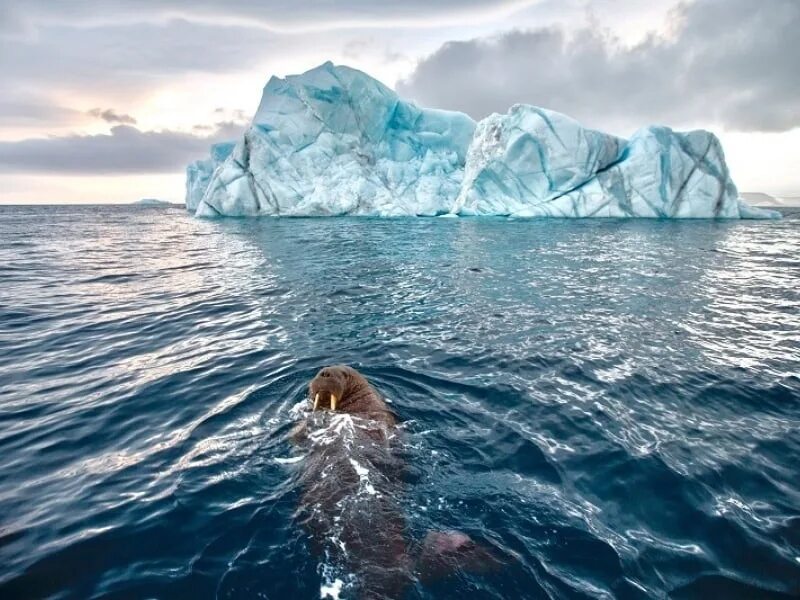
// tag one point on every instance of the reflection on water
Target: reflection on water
(614, 403)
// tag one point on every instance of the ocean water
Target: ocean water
(612, 406)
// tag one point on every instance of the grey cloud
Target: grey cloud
(229, 130)
(13, 23)
(23, 109)
(123, 61)
(110, 116)
(233, 114)
(121, 50)
(730, 62)
(126, 150)
(359, 47)
(278, 15)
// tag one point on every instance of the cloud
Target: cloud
(237, 115)
(281, 16)
(729, 62)
(120, 52)
(25, 109)
(125, 150)
(356, 49)
(125, 59)
(109, 116)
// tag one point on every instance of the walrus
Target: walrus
(352, 481)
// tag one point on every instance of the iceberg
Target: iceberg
(334, 141)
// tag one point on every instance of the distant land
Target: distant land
(761, 199)
(155, 202)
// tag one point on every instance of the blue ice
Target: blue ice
(335, 141)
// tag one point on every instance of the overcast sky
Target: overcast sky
(107, 100)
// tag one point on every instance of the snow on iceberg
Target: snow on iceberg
(334, 141)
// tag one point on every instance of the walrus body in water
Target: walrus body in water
(352, 483)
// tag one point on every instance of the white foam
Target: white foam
(298, 409)
(331, 591)
(363, 475)
(289, 460)
(341, 427)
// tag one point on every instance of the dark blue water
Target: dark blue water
(613, 404)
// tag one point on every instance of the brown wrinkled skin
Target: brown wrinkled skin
(355, 395)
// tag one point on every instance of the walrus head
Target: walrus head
(330, 386)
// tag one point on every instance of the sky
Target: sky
(108, 100)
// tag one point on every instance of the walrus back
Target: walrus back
(351, 489)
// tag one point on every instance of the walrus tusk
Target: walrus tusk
(316, 401)
(333, 401)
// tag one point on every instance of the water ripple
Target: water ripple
(612, 405)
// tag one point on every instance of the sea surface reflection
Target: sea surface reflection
(616, 404)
